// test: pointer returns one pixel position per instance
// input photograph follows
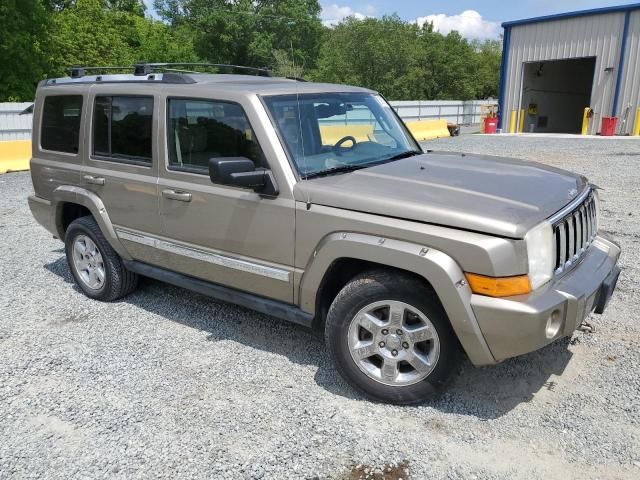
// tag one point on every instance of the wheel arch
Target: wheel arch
(341, 271)
(72, 202)
(342, 255)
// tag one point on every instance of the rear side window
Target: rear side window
(122, 128)
(202, 129)
(60, 130)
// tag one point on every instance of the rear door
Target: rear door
(122, 164)
(227, 235)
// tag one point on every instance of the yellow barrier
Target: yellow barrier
(636, 126)
(428, 129)
(512, 122)
(331, 134)
(15, 155)
(521, 124)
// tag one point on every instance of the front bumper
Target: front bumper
(517, 325)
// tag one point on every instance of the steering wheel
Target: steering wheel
(338, 145)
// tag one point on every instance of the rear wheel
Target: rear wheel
(97, 269)
(390, 338)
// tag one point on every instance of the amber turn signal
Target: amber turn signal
(498, 286)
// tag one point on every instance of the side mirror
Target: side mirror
(241, 172)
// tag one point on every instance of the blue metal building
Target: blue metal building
(555, 66)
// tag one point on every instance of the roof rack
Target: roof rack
(143, 68)
(147, 68)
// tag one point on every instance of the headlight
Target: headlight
(539, 241)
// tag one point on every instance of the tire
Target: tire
(110, 279)
(363, 301)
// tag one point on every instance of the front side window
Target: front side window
(336, 132)
(199, 130)
(122, 128)
(61, 117)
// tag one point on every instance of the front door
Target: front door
(227, 235)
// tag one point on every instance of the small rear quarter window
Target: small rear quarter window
(61, 117)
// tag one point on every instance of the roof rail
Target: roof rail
(146, 68)
(78, 71)
(297, 79)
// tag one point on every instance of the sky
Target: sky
(473, 19)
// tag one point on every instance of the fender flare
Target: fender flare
(436, 267)
(88, 199)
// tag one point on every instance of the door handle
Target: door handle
(93, 180)
(179, 196)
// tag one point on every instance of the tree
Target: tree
(41, 38)
(24, 38)
(406, 62)
(247, 32)
(89, 34)
(159, 42)
(451, 60)
(125, 36)
(285, 66)
(136, 7)
(376, 53)
(489, 57)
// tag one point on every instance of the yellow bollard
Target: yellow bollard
(585, 121)
(521, 125)
(636, 126)
(512, 122)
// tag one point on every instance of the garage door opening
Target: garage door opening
(555, 94)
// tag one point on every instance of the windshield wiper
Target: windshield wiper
(351, 168)
(340, 169)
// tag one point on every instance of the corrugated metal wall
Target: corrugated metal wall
(630, 86)
(14, 126)
(589, 36)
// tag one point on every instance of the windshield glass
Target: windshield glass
(336, 132)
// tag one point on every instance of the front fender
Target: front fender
(82, 196)
(440, 270)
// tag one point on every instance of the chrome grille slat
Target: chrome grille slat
(563, 245)
(578, 241)
(587, 222)
(582, 226)
(572, 239)
(594, 223)
(573, 232)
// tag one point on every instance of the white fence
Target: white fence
(14, 126)
(453, 111)
(17, 126)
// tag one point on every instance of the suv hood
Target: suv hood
(499, 196)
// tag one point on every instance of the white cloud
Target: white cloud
(333, 14)
(469, 23)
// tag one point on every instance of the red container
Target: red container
(490, 125)
(608, 127)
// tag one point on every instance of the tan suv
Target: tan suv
(313, 203)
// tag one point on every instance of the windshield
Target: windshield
(335, 132)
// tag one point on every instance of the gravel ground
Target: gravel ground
(168, 384)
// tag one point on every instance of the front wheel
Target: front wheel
(390, 339)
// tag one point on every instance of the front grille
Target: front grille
(574, 231)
